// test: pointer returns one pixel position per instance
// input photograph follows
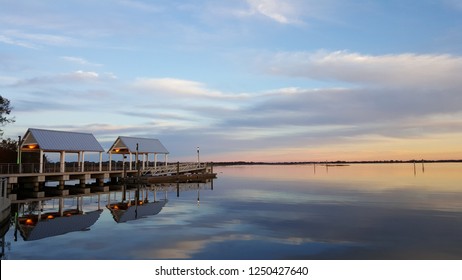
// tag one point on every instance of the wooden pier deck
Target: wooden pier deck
(34, 184)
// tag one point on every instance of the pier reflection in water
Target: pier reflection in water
(63, 219)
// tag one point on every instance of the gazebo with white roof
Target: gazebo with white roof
(62, 142)
(139, 146)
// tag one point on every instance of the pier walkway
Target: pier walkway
(34, 183)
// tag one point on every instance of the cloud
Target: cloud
(184, 88)
(401, 70)
(34, 40)
(11, 41)
(79, 60)
(76, 76)
(284, 12)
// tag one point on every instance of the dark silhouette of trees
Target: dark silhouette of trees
(5, 110)
(8, 147)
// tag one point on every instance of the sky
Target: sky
(252, 80)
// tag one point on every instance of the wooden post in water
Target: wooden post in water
(414, 168)
(423, 167)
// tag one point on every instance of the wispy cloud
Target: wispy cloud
(34, 40)
(185, 88)
(402, 70)
(20, 43)
(284, 12)
(79, 61)
(76, 76)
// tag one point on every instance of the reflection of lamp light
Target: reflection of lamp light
(50, 217)
(29, 222)
(68, 214)
(116, 207)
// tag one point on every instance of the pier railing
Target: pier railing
(148, 169)
(174, 168)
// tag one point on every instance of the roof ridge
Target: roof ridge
(61, 131)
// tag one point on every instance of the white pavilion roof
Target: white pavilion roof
(145, 145)
(53, 140)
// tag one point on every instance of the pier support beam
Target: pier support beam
(100, 182)
(61, 185)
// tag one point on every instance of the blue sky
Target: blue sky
(242, 79)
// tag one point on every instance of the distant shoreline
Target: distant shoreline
(332, 163)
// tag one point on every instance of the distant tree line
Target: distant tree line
(336, 163)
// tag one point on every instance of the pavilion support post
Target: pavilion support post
(82, 165)
(41, 161)
(123, 164)
(110, 161)
(155, 160)
(166, 159)
(62, 162)
(79, 161)
(130, 164)
(100, 161)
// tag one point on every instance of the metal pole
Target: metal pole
(19, 155)
(198, 159)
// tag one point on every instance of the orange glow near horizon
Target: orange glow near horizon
(367, 148)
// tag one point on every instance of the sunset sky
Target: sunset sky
(255, 80)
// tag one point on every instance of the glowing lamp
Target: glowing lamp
(29, 222)
(32, 146)
(117, 150)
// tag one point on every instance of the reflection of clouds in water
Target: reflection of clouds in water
(184, 249)
(401, 194)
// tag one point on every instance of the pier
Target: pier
(39, 178)
(39, 185)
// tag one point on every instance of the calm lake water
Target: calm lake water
(359, 211)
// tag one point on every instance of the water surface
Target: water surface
(359, 211)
